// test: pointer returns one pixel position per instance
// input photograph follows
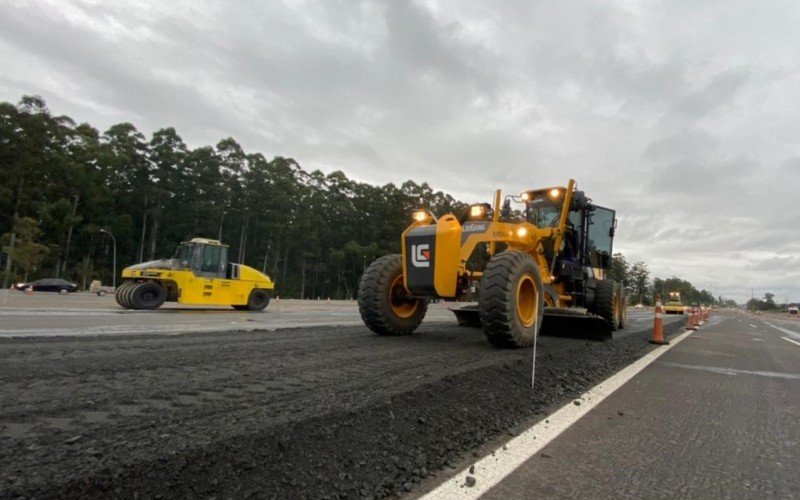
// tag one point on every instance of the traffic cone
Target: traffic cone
(658, 326)
(692, 320)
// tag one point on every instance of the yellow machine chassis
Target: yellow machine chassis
(185, 287)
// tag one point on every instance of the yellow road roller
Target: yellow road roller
(198, 273)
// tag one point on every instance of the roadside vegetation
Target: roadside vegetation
(62, 182)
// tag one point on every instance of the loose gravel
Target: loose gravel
(306, 413)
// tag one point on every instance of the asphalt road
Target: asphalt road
(81, 314)
(305, 412)
(714, 417)
(86, 314)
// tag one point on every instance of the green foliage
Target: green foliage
(313, 233)
(26, 252)
(767, 304)
(619, 270)
(635, 278)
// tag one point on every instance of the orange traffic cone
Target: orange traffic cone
(658, 326)
(692, 320)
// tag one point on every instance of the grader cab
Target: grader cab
(546, 270)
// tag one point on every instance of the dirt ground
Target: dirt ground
(301, 413)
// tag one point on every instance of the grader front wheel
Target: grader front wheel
(511, 300)
(383, 300)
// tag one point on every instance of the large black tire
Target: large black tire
(384, 304)
(147, 295)
(257, 301)
(622, 307)
(607, 302)
(511, 302)
(121, 294)
(126, 296)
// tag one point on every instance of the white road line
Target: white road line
(790, 340)
(754, 326)
(788, 332)
(733, 371)
(111, 330)
(493, 468)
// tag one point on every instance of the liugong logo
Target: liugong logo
(421, 255)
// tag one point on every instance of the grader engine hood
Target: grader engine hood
(431, 258)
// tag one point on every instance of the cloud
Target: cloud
(682, 116)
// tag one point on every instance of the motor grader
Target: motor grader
(546, 270)
(198, 273)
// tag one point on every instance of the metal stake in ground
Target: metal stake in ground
(535, 340)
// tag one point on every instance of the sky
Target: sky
(683, 116)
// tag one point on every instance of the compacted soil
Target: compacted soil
(305, 413)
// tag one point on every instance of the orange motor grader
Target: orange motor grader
(546, 270)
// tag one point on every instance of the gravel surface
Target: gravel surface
(305, 413)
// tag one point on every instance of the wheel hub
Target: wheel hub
(527, 305)
(402, 305)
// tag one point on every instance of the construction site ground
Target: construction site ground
(301, 401)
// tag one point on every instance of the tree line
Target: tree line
(61, 183)
(640, 289)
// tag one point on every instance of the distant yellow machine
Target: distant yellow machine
(674, 304)
(199, 273)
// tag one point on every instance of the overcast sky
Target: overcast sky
(683, 116)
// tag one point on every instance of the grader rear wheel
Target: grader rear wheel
(607, 300)
(511, 300)
(383, 301)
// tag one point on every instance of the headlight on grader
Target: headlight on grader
(554, 193)
(479, 211)
(522, 232)
(421, 215)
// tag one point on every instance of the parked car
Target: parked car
(49, 285)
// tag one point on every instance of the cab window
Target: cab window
(601, 236)
(212, 259)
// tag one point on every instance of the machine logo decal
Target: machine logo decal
(421, 255)
(475, 227)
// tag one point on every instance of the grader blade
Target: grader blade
(467, 316)
(558, 322)
(574, 323)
